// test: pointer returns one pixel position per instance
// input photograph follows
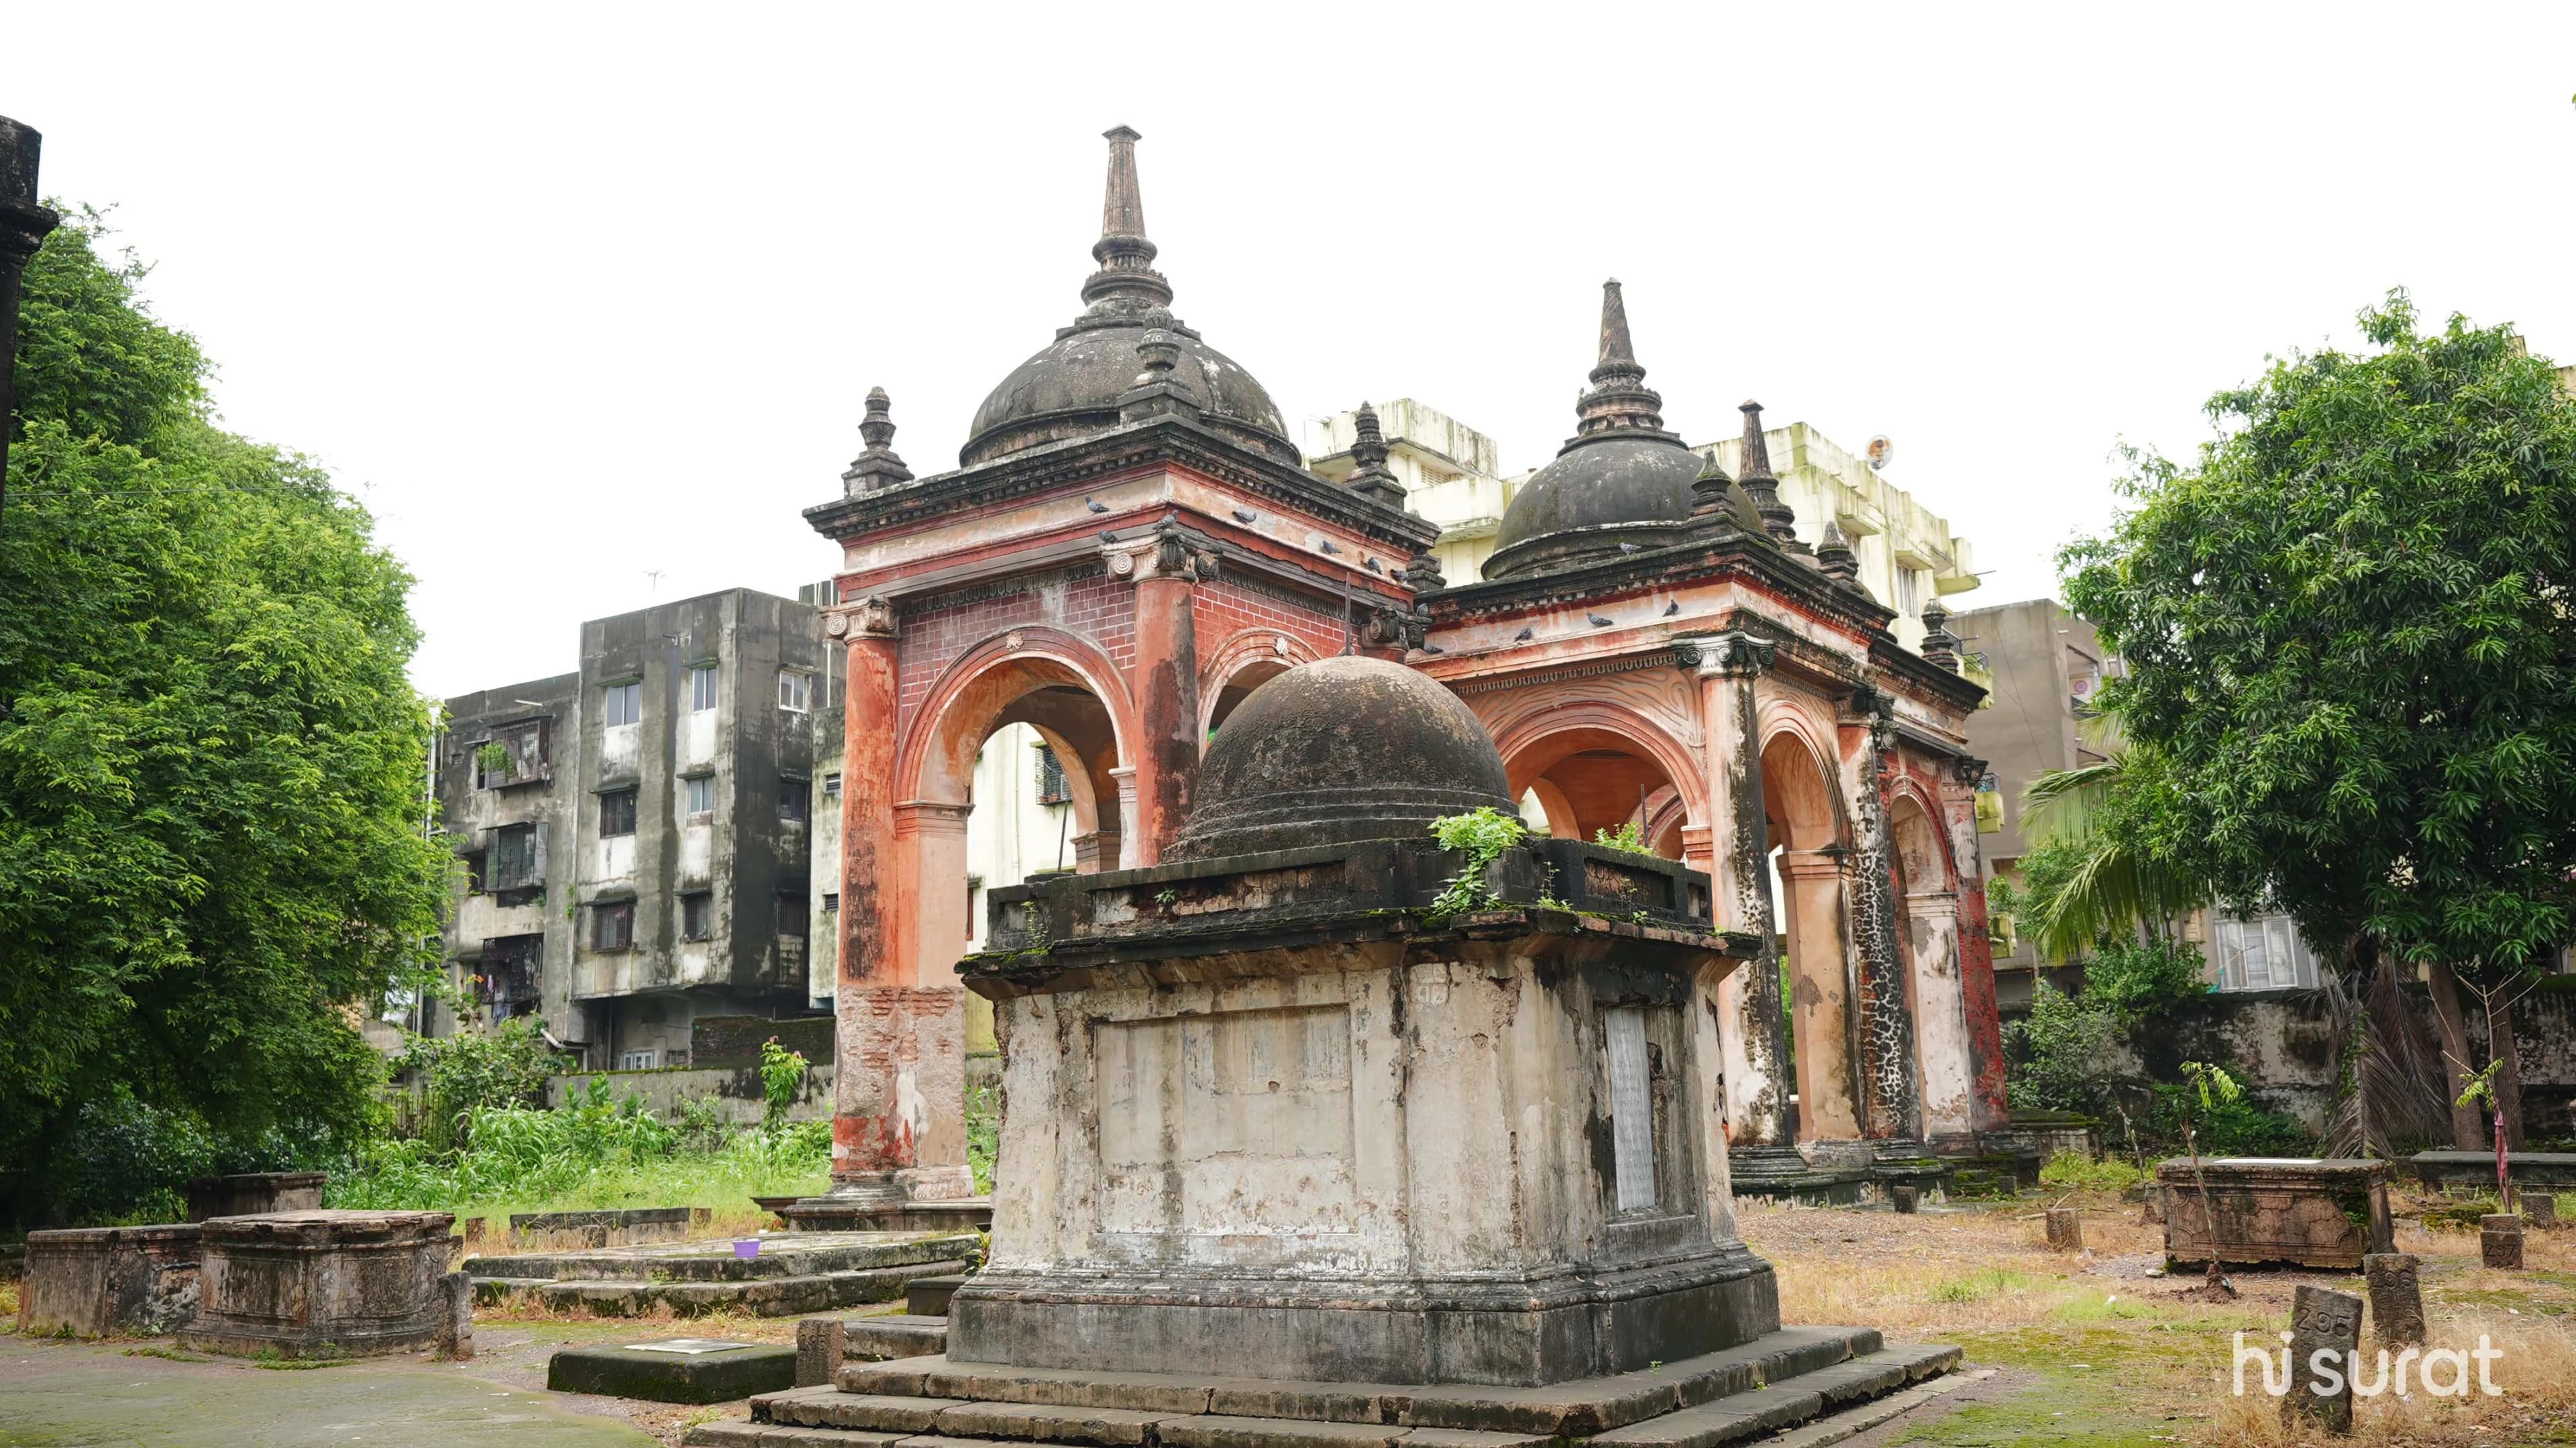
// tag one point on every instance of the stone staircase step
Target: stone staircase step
(1728, 1420)
(761, 1297)
(1563, 1409)
(928, 1296)
(1220, 1430)
(735, 1433)
(871, 1412)
(1039, 1423)
(1851, 1422)
(898, 1335)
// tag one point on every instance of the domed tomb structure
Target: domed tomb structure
(1268, 1108)
(1072, 386)
(1619, 484)
(1341, 750)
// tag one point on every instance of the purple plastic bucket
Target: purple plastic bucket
(747, 1248)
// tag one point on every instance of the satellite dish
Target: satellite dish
(1881, 452)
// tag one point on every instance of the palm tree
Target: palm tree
(2114, 889)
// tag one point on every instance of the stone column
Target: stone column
(1989, 1109)
(932, 837)
(1820, 996)
(1891, 1102)
(1167, 675)
(1129, 841)
(1738, 848)
(871, 899)
(23, 228)
(1940, 1014)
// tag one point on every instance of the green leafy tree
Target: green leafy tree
(2350, 649)
(2207, 1089)
(211, 847)
(782, 1075)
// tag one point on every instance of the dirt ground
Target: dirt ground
(2098, 1349)
(2101, 1349)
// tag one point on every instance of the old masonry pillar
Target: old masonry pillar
(1167, 672)
(898, 1104)
(1754, 1033)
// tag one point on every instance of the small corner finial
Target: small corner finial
(1708, 490)
(1835, 557)
(1940, 646)
(1372, 478)
(1753, 469)
(877, 467)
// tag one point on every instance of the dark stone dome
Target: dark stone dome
(1603, 490)
(1340, 750)
(1071, 388)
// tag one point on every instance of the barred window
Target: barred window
(1051, 785)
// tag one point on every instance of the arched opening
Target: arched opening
(1804, 821)
(1583, 781)
(1241, 664)
(1929, 887)
(1017, 774)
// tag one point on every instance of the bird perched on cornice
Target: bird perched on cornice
(1371, 566)
(1524, 636)
(1672, 608)
(1596, 620)
(1107, 536)
(1329, 548)
(1630, 547)
(1242, 515)
(1095, 505)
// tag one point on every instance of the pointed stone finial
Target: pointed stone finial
(877, 467)
(1708, 490)
(1126, 282)
(1423, 574)
(1619, 398)
(1372, 479)
(1834, 555)
(1940, 646)
(1753, 469)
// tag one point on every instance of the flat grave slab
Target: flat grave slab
(675, 1370)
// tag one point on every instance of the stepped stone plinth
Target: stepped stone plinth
(787, 1274)
(321, 1283)
(250, 1194)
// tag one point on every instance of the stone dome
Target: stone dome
(1071, 388)
(1073, 385)
(1603, 490)
(1620, 479)
(1340, 750)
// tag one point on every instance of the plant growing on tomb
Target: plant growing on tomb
(2211, 1087)
(1630, 837)
(2481, 1091)
(782, 1075)
(1480, 837)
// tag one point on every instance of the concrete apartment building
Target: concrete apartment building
(636, 839)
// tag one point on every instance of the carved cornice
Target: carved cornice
(1731, 655)
(1126, 448)
(1683, 653)
(860, 618)
(1714, 549)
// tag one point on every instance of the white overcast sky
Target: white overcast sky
(571, 295)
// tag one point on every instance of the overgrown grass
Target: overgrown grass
(592, 1153)
(2070, 1171)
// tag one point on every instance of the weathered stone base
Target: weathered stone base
(793, 1274)
(1743, 1392)
(321, 1283)
(1780, 1174)
(718, 1375)
(2313, 1213)
(1525, 1332)
(97, 1281)
(899, 1335)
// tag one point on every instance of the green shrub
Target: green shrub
(1482, 835)
(782, 1075)
(2061, 1055)
(475, 1071)
(2070, 1171)
(2136, 980)
(1630, 837)
(983, 1134)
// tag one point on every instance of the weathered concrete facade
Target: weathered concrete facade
(637, 837)
(1131, 546)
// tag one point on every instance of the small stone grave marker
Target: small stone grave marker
(675, 1370)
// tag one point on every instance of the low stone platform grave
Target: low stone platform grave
(606, 1228)
(2311, 1212)
(321, 1283)
(248, 1194)
(863, 1214)
(103, 1281)
(791, 1274)
(1776, 1381)
(2475, 1171)
(674, 1370)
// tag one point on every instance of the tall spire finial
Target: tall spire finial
(877, 467)
(1126, 282)
(1753, 470)
(1940, 646)
(1619, 399)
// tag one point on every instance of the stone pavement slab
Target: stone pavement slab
(66, 1395)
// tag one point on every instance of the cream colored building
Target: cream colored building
(1453, 475)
